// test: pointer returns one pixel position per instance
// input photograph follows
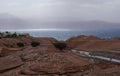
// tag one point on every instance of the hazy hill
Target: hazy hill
(79, 25)
(8, 21)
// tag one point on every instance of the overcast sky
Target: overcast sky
(106, 10)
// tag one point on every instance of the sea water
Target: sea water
(66, 34)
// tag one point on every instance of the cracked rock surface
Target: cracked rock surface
(46, 60)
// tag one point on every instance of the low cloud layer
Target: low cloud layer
(106, 10)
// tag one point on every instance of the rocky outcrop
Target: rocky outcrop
(46, 60)
(94, 43)
(11, 42)
(8, 51)
(59, 65)
(84, 38)
(39, 61)
(9, 62)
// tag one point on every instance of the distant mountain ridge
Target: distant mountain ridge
(90, 25)
(8, 21)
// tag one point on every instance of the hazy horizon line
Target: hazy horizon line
(44, 29)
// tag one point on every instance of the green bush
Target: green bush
(20, 44)
(60, 45)
(35, 44)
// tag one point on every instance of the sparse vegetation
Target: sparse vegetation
(13, 35)
(60, 45)
(20, 44)
(35, 44)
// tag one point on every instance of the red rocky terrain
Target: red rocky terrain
(46, 60)
(94, 43)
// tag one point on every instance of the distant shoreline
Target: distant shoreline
(8, 34)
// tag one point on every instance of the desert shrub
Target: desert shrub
(13, 35)
(60, 45)
(20, 44)
(35, 44)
